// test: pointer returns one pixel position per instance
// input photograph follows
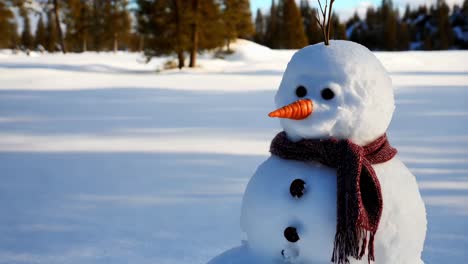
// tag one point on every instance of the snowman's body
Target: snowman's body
(268, 208)
(352, 99)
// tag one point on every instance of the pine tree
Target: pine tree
(40, 35)
(210, 28)
(389, 18)
(84, 26)
(230, 19)
(428, 42)
(5, 16)
(353, 20)
(419, 32)
(403, 36)
(407, 14)
(338, 30)
(245, 28)
(357, 28)
(57, 25)
(77, 20)
(105, 25)
(305, 11)
(8, 32)
(165, 25)
(135, 42)
(27, 39)
(14, 37)
(280, 36)
(97, 31)
(116, 23)
(390, 32)
(237, 20)
(372, 35)
(51, 33)
(309, 19)
(313, 32)
(210, 20)
(273, 27)
(292, 27)
(195, 32)
(357, 36)
(181, 36)
(444, 30)
(422, 10)
(259, 28)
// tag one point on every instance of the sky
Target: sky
(346, 8)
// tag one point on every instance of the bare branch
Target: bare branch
(320, 4)
(318, 22)
(329, 19)
(325, 23)
(325, 37)
(325, 13)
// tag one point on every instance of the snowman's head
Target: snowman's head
(341, 90)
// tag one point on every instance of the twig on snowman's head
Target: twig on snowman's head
(320, 5)
(324, 24)
(319, 23)
(329, 19)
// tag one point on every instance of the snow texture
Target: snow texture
(104, 161)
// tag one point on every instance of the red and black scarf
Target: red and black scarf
(359, 196)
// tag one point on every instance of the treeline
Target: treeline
(384, 28)
(187, 27)
(437, 27)
(190, 26)
(66, 25)
(157, 27)
(289, 26)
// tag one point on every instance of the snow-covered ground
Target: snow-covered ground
(102, 160)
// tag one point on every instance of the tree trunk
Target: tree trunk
(142, 43)
(228, 45)
(178, 20)
(116, 43)
(193, 52)
(84, 44)
(180, 56)
(57, 22)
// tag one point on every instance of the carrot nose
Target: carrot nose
(298, 110)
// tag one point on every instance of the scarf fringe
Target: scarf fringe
(371, 256)
(347, 244)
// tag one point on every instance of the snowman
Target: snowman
(334, 189)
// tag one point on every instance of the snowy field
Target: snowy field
(104, 161)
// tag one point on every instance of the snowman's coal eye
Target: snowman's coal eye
(327, 94)
(301, 91)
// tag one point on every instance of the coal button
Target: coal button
(291, 235)
(297, 188)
